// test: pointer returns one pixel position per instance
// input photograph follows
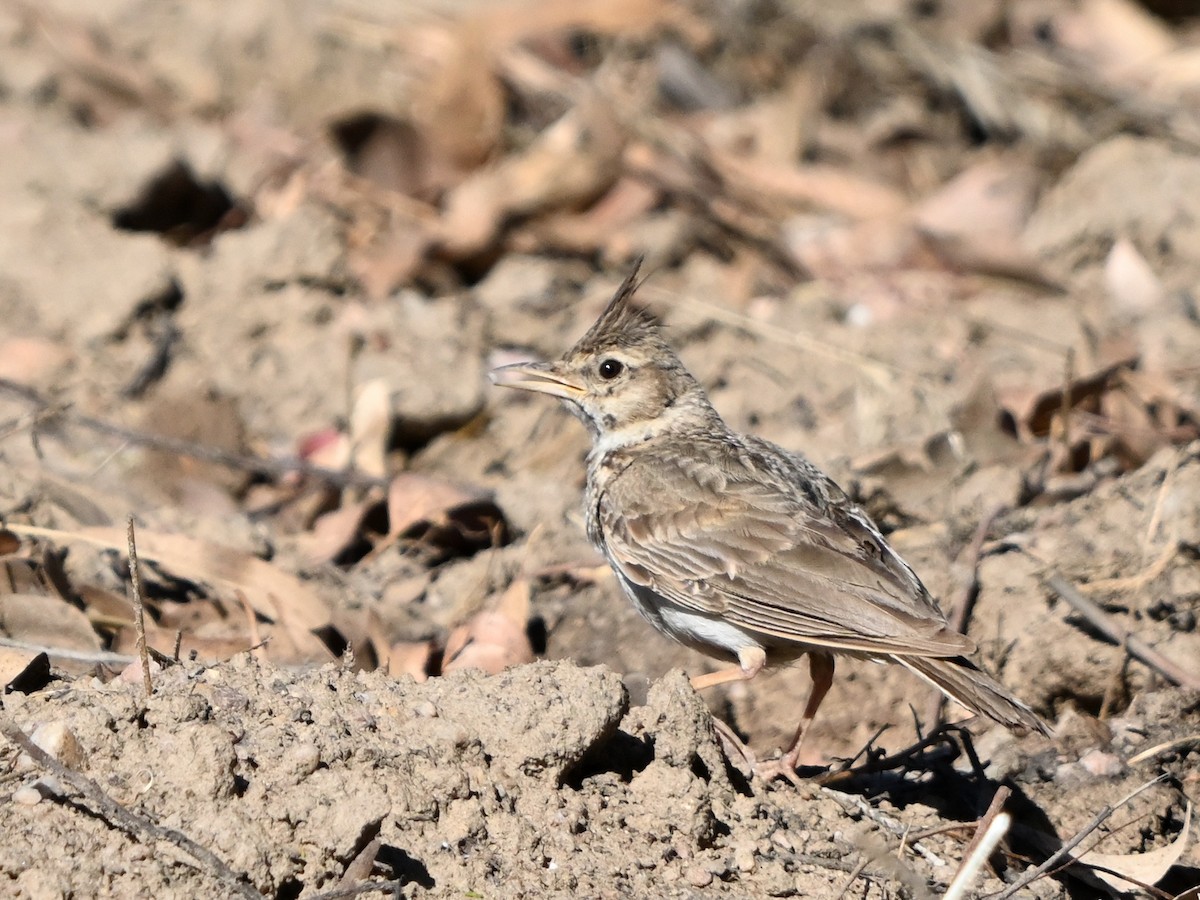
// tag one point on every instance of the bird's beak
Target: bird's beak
(544, 378)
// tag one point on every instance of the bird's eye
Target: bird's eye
(611, 368)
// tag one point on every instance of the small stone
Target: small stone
(424, 709)
(743, 858)
(57, 740)
(28, 795)
(1101, 764)
(302, 759)
(698, 876)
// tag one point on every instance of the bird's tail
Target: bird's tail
(964, 682)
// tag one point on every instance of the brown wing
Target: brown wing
(713, 532)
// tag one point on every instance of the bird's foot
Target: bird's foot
(769, 770)
(745, 761)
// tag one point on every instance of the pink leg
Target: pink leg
(751, 661)
(820, 668)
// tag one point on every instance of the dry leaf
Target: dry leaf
(1118, 37)
(334, 532)
(974, 222)
(446, 514)
(495, 638)
(460, 108)
(46, 621)
(573, 161)
(1143, 868)
(414, 499)
(820, 187)
(1031, 415)
(409, 658)
(328, 448)
(274, 594)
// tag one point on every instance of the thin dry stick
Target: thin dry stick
(136, 826)
(1134, 582)
(1133, 644)
(102, 657)
(1068, 380)
(393, 888)
(981, 848)
(139, 607)
(1064, 852)
(994, 809)
(1162, 748)
(884, 374)
(858, 870)
(274, 468)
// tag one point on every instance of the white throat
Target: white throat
(611, 439)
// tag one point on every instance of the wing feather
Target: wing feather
(716, 534)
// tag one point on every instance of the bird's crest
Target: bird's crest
(622, 322)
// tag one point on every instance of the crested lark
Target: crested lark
(734, 546)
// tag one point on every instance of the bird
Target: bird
(735, 546)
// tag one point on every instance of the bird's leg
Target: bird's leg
(750, 662)
(820, 669)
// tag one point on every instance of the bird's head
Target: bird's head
(621, 378)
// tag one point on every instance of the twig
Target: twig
(103, 657)
(357, 890)
(274, 468)
(136, 826)
(139, 607)
(886, 763)
(994, 809)
(882, 373)
(981, 848)
(1065, 411)
(1134, 582)
(887, 823)
(1162, 748)
(1133, 644)
(1064, 852)
(858, 870)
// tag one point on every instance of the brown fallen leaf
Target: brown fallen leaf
(442, 513)
(273, 593)
(334, 532)
(409, 658)
(46, 620)
(28, 360)
(1141, 868)
(1032, 415)
(820, 187)
(974, 222)
(494, 638)
(575, 160)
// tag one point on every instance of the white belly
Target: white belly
(705, 633)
